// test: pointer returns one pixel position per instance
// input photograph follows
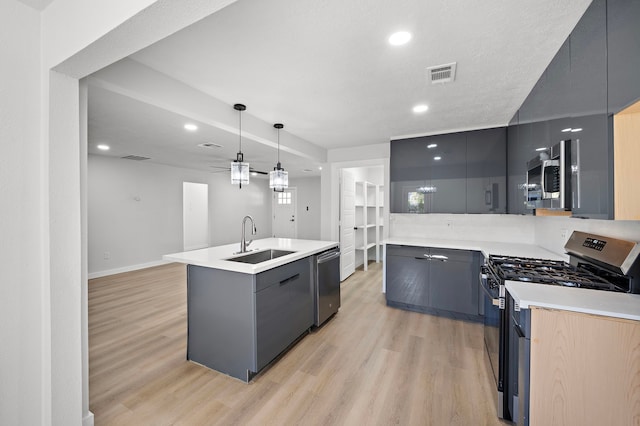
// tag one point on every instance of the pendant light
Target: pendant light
(239, 169)
(278, 178)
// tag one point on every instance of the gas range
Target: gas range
(595, 263)
(546, 271)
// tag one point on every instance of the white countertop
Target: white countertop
(214, 257)
(597, 302)
(486, 247)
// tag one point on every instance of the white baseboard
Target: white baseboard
(99, 274)
(88, 419)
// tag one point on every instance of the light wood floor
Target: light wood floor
(370, 364)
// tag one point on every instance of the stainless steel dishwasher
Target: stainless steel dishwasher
(327, 285)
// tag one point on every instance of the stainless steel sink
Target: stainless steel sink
(260, 256)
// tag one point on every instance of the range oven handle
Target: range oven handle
(495, 301)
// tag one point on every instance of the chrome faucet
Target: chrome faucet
(243, 242)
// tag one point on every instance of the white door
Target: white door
(195, 215)
(284, 224)
(347, 223)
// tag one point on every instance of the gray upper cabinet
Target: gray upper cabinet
(623, 53)
(588, 63)
(448, 174)
(486, 171)
(569, 102)
(452, 173)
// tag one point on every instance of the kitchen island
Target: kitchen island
(241, 315)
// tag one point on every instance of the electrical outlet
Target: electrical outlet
(107, 255)
(563, 234)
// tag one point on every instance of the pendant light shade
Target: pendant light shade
(239, 169)
(278, 178)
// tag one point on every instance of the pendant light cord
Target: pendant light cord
(240, 127)
(278, 146)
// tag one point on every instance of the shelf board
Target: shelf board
(361, 248)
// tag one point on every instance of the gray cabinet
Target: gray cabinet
(568, 103)
(433, 280)
(623, 53)
(407, 275)
(452, 173)
(486, 171)
(453, 276)
(284, 308)
(238, 323)
(448, 174)
(588, 63)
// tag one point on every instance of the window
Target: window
(284, 198)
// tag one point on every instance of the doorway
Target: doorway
(195, 215)
(284, 223)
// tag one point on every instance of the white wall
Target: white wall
(135, 211)
(21, 314)
(308, 207)
(549, 230)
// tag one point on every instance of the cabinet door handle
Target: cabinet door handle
(426, 257)
(440, 257)
(288, 280)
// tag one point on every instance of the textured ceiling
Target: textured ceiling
(325, 69)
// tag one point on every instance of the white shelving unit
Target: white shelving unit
(368, 227)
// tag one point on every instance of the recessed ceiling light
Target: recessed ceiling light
(437, 158)
(579, 129)
(319, 167)
(399, 38)
(190, 127)
(541, 149)
(432, 145)
(103, 147)
(568, 129)
(420, 108)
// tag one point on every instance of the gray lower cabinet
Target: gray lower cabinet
(238, 323)
(433, 280)
(454, 276)
(284, 308)
(407, 275)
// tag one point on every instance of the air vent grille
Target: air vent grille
(136, 158)
(210, 145)
(442, 73)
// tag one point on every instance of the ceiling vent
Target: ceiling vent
(136, 158)
(210, 145)
(442, 73)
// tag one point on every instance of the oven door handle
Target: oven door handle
(495, 301)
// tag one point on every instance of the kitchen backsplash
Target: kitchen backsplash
(548, 232)
(473, 227)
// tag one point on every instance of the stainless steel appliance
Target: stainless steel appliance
(553, 177)
(494, 317)
(327, 285)
(595, 262)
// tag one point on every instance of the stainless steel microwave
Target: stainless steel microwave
(553, 179)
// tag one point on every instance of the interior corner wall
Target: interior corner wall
(308, 207)
(22, 379)
(135, 211)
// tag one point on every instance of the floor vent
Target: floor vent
(442, 73)
(136, 158)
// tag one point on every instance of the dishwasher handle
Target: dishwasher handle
(323, 258)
